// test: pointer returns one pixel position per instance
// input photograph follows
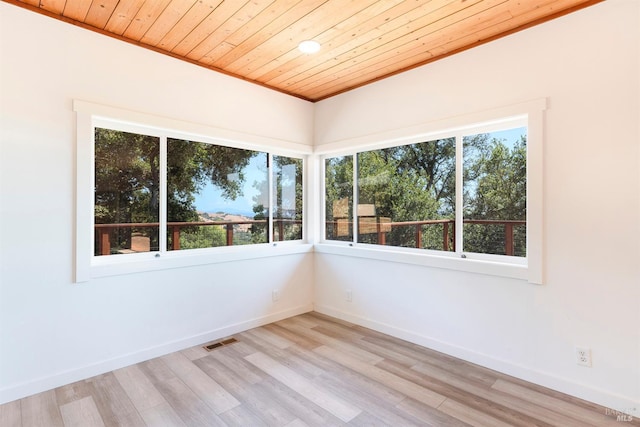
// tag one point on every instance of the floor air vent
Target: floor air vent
(215, 345)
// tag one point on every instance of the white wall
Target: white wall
(53, 331)
(587, 65)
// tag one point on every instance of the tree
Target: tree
(495, 178)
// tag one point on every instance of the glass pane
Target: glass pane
(406, 195)
(339, 198)
(126, 192)
(495, 198)
(287, 198)
(216, 196)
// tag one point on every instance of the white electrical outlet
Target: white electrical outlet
(275, 295)
(349, 295)
(583, 356)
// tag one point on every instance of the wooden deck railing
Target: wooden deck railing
(104, 230)
(382, 228)
(448, 230)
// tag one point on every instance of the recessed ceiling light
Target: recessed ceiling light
(309, 46)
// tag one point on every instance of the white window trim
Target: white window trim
(529, 268)
(88, 266)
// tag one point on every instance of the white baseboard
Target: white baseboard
(39, 385)
(615, 402)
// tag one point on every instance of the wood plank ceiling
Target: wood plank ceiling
(361, 40)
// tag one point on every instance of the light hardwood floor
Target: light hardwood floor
(310, 370)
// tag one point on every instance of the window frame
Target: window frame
(88, 266)
(529, 268)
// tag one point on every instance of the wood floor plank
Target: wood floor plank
(387, 353)
(297, 423)
(333, 370)
(242, 416)
(336, 344)
(268, 408)
(469, 415)
(112, 401)
(435, 358)
(162, 415)
(202, 385)
(526, 412)
(408, 388)
(234, 362)
(41, 410)
(10, 415)
(384, 412)
(314, 316)
(268, 336)
(302, 321)
(588, 418)
(81, 413)
(428, 415)
(298, 405)
(189, 407)
(74, 391)
(291, 379)
(286, 357)
(196, 352)
(139, 388)
(297, 339)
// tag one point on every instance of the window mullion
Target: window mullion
(459, 194)
(162, 232)
(354, 209)
(271, 204)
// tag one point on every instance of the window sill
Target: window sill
(112, 266)
(426, 259)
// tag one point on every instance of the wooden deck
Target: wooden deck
(310, 370)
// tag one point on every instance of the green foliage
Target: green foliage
(208, 236)
(495, 184)
(338, 189)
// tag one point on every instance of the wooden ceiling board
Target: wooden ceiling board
(308, 27)
(99, 13)
(221, 42)
(339, 42)
(169, 17)
(210, 32)
(362, 41)
(345, 38)
(298, 11)
(76, 9)
(122, 16)
(54, 6)
(391, 42)
(144, 19)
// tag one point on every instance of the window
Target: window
(287, 198)
(443, 199)
(495, 192)
(406, 194)
(151, 197)
(214, 195)
(127, 182)
(339, 198)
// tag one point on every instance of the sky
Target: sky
(210, 198)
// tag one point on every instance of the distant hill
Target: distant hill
(223, 216)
